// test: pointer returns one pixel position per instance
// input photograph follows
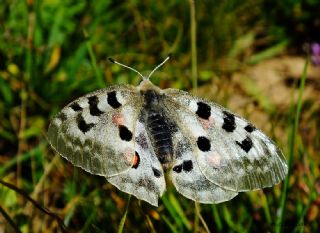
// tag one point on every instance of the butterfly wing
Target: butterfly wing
(95, 131)
(189, 180)
(145, 179)
(229, 151)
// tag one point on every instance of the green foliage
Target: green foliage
(53, 51)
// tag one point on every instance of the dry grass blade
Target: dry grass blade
(9, 219)
(37, 205)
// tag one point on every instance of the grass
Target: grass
(52, 52)
(292, 143)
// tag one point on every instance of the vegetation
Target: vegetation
(251, 56)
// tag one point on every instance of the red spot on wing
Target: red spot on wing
(136, 160)
(207, 124)
(214, 159)
(118, 119)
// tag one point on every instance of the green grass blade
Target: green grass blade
(292, 138)
(216, 217)
(268, 53)
(172, 210)
(123, 219)
(181, 214)
(98, 74)
(21, 158)
(170, 225)
(193, 34)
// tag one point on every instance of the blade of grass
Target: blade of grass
(266, 210)
(90, 219)
(233, 225)
(36, 204)
(170, 225)
(39, 186)
(268, 53)
(198, 212)
(193, 35)
(20, 158)
(123, 219)
(175, 203)
(169, 206)
(312, 197)
(227, 217)
(9, 220)
(98, 74)
(292, 138)
(216, 217)
(196, 218)
(152, 229)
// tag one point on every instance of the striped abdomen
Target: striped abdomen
(161, 135)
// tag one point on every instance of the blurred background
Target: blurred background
(249, 56)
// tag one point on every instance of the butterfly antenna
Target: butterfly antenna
(128, 67)
(165, 60)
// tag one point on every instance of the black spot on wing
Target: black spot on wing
(204, 110)
(75, 107)
(246, 144)
(203, 144)
(93, 106)
(136, 162)
(177, 168)
(124, 133)
(249, 128)
(229, 123)
(112, 100)
(156, 172)
(187, 165)
(83, 125)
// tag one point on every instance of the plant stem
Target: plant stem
(292, 139)
(193, 34)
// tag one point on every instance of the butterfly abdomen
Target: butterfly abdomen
(162, 138)
(158, 127)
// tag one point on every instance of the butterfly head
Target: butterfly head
(145, 79)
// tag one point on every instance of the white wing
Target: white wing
(145, 180)
(230, 151)
(95, 131)
(189, 180)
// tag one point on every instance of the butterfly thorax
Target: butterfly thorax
(158, 126)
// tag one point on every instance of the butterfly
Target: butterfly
(138, 137)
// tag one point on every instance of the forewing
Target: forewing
(189, 180)
(145, 179)
(93, 132)
(230, 151)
